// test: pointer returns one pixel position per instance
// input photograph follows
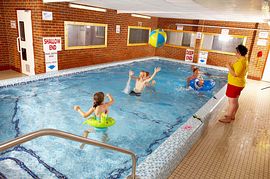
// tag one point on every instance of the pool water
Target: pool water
(142, 123)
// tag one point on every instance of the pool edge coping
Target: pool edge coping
(66, 72)
(70, 71)
(161, 163)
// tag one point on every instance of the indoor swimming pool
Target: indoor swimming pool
(142, 123)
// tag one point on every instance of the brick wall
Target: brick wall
(4, 60)
(256, 65)
(10, 14)
(117, 48)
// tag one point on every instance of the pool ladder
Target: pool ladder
(69, 136)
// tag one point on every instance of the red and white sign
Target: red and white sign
(189, 55)
(52, 44)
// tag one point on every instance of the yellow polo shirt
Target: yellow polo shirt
(240, 68)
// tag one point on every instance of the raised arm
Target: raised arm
(157, 69)
(131, 75)
(84, 114)
(111, 100)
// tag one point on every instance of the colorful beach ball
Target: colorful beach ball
(157, 38)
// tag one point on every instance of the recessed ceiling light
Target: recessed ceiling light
(87, 7)
(48, 1)
(141, 16)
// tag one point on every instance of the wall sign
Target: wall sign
(263, 35)
(52, 44)
(51, 62)
(47, 16)
(189, 55)
(225, 31)
(179, 27)
(13, 24)
(198, 35)
(203, 55)
(117, 29)
(262, 42)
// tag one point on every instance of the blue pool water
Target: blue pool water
(142, 123)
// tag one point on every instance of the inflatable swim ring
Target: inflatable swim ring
(207, 86)
(103, 123)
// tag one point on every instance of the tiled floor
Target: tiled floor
(9, 74)
(237, 150)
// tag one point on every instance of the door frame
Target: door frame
(28, 65)
(265, 63)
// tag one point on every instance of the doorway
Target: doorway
(25, 42)
(266, 73)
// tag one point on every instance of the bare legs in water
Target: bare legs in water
(104, 139)
(85, 134)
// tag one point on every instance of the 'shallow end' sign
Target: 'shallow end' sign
(52, 44)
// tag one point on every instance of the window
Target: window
(177, 38)
(22, 33)
(79, 35)
(138, 35)
(222, 43)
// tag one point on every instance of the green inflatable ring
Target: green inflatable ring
(103, 123)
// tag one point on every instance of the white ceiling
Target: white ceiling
(226, 10)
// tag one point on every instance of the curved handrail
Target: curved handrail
(69, 136)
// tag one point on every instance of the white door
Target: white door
(25, 42)
(266, 73)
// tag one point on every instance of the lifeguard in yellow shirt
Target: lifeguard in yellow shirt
(236, 82)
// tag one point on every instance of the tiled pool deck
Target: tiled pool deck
(8, 74)
(239, 150)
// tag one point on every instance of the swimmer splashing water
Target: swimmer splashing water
(127, 88)
(141, 82)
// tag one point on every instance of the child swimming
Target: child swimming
(196, 75)
(198, 83)
(141, 81)
(147, 76)
(99, 108)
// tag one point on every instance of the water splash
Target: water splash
(127, 88)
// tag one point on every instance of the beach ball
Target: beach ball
(157, 38)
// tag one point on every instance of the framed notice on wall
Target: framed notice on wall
(263, 35)
(51, 62)
(47, 16)
(203, 55)
(51, 45)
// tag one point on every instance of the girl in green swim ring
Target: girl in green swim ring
(99, 108)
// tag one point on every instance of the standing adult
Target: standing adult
(236, 82)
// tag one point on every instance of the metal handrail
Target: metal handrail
(69, 136)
